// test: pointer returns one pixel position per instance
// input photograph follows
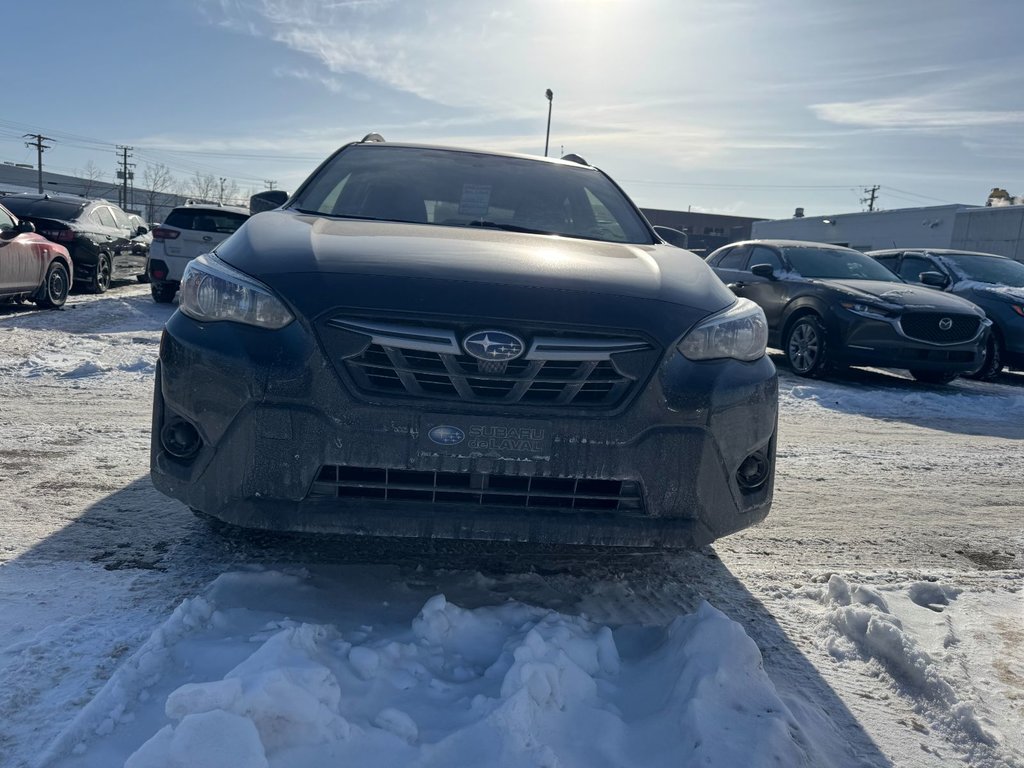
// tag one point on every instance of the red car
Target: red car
(31, 267)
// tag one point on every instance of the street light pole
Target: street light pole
(547, 136)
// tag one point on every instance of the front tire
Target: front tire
(56, 287)
(933, 377)
(806, 346)
(101, 277)
(162, 292)
(993, 364)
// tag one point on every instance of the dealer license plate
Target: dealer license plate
(485, 437)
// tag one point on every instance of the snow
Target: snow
(876, 618)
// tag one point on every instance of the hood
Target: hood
(974, 290)
(902, 295)
(278, 246)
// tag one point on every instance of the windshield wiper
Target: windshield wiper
(510, 227)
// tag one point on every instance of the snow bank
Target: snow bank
(508, 685)
(863, 626)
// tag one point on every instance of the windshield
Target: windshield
(42, 208)
(465, 189)
(837, 264)
(987, 269)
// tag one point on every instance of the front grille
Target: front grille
(428, 363)
(405, 485)
(928, 327)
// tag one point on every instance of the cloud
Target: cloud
(911, 114)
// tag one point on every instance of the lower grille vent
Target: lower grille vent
(398, 485)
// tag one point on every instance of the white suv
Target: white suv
(188, 231)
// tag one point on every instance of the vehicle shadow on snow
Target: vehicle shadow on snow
(964, 406)
(137, 530)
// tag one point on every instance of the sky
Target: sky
(728, 106)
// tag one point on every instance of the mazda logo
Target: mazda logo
(493, 345)
(444, 434)
(945, 324)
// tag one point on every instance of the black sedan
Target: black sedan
(831, 306)
(431, 342)
(994, 283)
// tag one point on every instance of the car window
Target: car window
(987, 269)
(120, 217)
(44, 209)
(106, 218)
(836, 264)
(466, 189)
(734, 259)
(6, 221)
(889, 262)
(912, 266)
(205, 220)
(761, 255)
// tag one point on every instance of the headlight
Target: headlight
(213, 291)
(867, 310)
(740, 332)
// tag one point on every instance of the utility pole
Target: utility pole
(38, 144)
(270, 183)
(547, 136)
(223, 181)
(871, 193)
(125, 174)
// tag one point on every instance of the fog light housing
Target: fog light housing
(180, 439)
(754, 471)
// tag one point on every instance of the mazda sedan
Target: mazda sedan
(829, 306)
(434, 342)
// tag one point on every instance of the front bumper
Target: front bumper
(879, 343)
(271, 413)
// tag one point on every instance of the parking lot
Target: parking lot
(883, 591)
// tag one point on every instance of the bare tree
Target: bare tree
(203, 188)
(158, 181)
(91, 176)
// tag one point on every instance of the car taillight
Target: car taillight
(162, 233)
(59, 235)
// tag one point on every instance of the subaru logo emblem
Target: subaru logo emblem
(945, 324)
(444, 434)
(493, 346)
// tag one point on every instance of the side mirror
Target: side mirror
(141, 231)
(25, 227)
(267, 201)
(764, 270)
(933, 279)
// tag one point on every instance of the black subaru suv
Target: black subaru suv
(97, 234)
(830, 306)
(432, 342)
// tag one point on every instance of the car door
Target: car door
(19, 267)
(730, 265)
(771, 294)
(126, 263)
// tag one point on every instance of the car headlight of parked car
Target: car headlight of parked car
(212, 291)
(740, 333)
(863, 309)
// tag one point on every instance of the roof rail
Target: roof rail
(572, 157)
(373, 137)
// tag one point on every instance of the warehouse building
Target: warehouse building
(997, 229)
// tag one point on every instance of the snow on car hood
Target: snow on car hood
(902, 294)
(1005, 292)
(279, 243)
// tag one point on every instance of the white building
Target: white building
(991, 230)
